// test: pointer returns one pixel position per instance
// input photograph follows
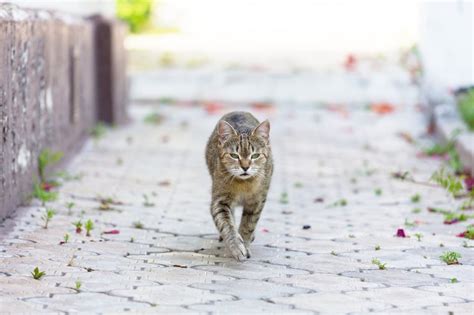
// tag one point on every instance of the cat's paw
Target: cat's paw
(237, 249)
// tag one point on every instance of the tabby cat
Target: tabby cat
(239, 159)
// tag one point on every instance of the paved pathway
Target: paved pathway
(332, 173)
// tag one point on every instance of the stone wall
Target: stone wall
(48, 93)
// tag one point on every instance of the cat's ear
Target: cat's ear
(262, 130)
(225, 131)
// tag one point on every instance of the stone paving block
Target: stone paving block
(464, 273)
(326, 282)
(251, 306)
(172, 295)
(396, 277)
(332, 303)
(251, 289)
(88, 303)
(404, 298)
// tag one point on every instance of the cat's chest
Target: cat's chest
(246, 190)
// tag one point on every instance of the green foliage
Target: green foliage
(99, 130)
(138, 225)
(45, 159)
(448, 181)
(89, 226)
(37, 274)
(66, 238)
(379, 264)
(154, 118)
(147, 202)
(340, 203)
(136, 13)
(48, 216)
(44, 195)
(284, 198)
(78, 285)
(377, 247)
(415, 198)
(419, 236)
(450, 258)
(466, 108)
(378, 192)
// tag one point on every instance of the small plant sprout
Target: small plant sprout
(378, 192)
(132, 240)
(37, 274)
(298, 185)
(379, 264)
(415, 198)
(340, 203)
(78, 225)
(449, 182)
(450, 258)
(89, 226)
(138, 225)
(284, 198)
(147, 202)
(333, 253)
(416, 210)
(409, 224)
(418, 236)
(99, 131)
(78, 285)
(69, 207)
(377, 247)
(45, 159)
(43, 195)
(48, 216)
(454, 280)
(66, 238)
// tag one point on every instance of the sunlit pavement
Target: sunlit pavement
(334, 207)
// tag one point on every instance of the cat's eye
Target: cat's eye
(234, 155)
(255, 156)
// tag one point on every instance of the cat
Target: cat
(239, 159)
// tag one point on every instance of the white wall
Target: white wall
(447, 43)
(76, 7)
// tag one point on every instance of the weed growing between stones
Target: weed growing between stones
(450, 258)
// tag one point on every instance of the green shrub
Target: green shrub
(136, 13)
(466, 108)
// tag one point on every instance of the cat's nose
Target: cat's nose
(245, 168)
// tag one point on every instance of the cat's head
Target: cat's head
(244, 154)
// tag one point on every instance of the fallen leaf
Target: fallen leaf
(401, 233)
(469, 182)
(180, 266)
(164, 183)
(111, 232)
(406, 136)
(306, 227)
(213, 107)
(319, 199)
(262, 106)
(382, 108)
(264, 230)
(350, 62)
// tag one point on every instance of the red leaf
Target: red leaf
(382, 108)
(78, 230)
(350, 62)
(112, 232)
(452, 221)
(213, 107)
(264, 230)
(401, 233)
(469, 182)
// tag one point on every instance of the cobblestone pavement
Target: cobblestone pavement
(333, 175)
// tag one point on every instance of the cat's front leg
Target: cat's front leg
(250, 216)
(224, 220)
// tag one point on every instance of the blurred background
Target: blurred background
(182, 38)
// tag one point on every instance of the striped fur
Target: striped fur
(239, 159)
